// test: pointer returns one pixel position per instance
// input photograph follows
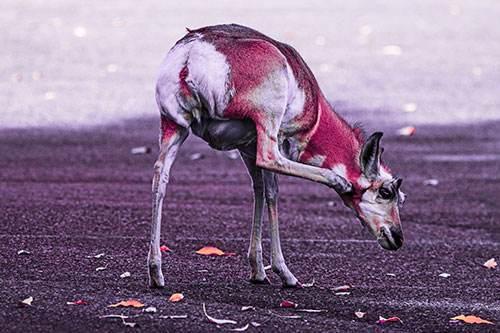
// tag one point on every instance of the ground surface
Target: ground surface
(67, 195)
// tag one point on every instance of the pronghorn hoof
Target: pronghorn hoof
(156, 279)
(156, 282)
(298, 285)
(265, 281)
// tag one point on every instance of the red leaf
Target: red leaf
(164, 248)
(286, 304)
(210, 250)
(491, 263)
(384, 320)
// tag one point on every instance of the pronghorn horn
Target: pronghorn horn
(370, 155)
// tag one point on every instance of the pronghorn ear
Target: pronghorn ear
(370, 156)
(399, 181)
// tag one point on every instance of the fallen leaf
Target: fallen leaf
(150, 309)
(286, 317)
(311, 310)
(122, 317)
(164, 248)
(174, 317)
(97, 256)
(176, 297)
(307, 285)
(25, 302)
(125, 275)
(140, 150)
(131, 302)
(286, 304)
(248, 308)
(391, 274)
(431, 182)
(343, 293)
(76, 302)
(217, 321)
(472, 320)
(23, 252)
(382, 320)
(342, 288)
(445, 275)
(210, 250)
(100, 268)
(491, 263)
(406, 131)
(255, 324)
(267, 267)
(359, 314)
(240, 329)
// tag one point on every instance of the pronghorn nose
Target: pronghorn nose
(397, 235)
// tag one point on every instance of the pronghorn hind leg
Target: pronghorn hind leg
(258, 274)
(172, 137)
(277, 261)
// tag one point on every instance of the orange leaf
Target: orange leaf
(491, 263)
(131, 302)
(210, 250)
(341, 288)
(472, 320)
(176, 297)
(164, 248)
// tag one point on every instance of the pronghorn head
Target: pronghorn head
(376, 198)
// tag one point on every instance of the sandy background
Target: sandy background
(72, 63)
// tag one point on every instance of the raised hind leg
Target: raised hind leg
(258, 274)
(277, 261)
(171, 138)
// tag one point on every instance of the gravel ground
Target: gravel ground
(67, 195)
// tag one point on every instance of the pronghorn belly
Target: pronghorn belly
(225, 134)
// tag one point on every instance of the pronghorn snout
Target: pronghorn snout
(391, 238)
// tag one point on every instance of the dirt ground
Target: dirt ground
(69, 195)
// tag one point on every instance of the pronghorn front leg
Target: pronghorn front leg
(172, 137)
(277, 261)
(270, 158)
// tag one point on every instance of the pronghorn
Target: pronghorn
(238, 89)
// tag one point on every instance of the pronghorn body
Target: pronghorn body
(239, 89)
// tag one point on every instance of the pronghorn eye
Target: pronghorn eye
(385, 193)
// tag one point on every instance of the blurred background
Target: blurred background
(73, 63)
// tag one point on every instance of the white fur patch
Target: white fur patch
(208, 76)
(363, 182)
(317, 160)
(271, 96)
(295, 100)
(340, 170)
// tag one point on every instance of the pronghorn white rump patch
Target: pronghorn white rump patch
(207, 76)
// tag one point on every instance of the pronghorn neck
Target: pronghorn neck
(333, 144)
